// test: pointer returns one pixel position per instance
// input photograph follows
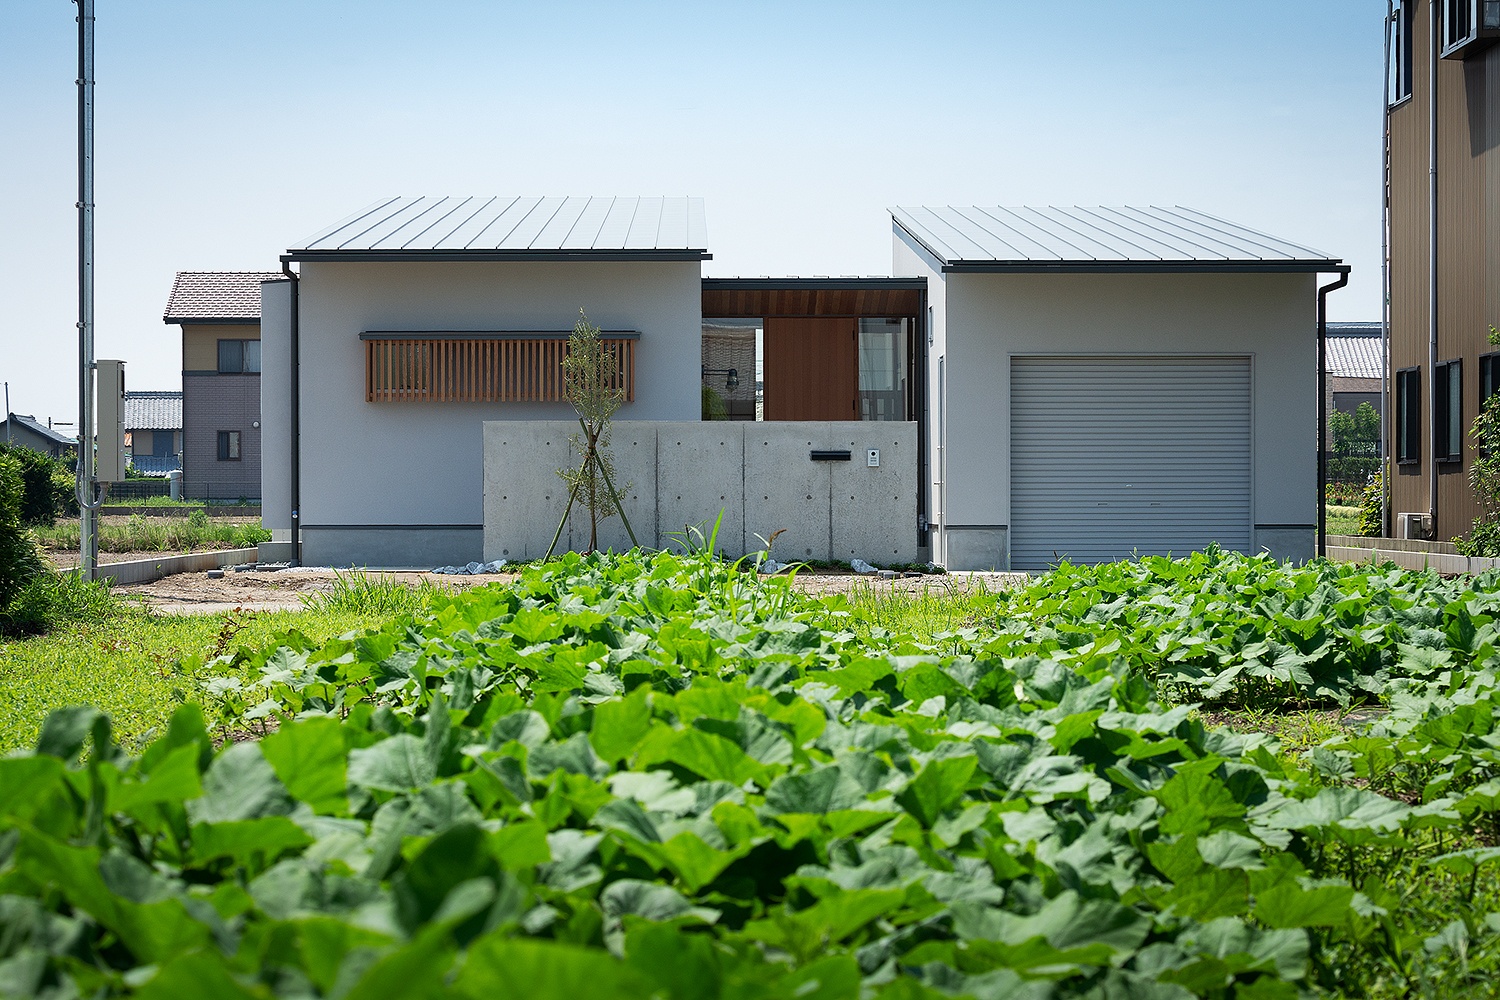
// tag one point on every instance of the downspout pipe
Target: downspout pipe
(1432, 264)
(294, 479)
(1385, 281)
(1343, 279)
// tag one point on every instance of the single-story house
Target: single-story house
(29, 432)
(1115, 381)
(153, 431)
(219, 313)
(1028, 385)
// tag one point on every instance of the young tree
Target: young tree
(591, 377)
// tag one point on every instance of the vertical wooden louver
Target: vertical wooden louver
(496, 368)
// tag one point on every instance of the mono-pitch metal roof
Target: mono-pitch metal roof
(515, 229)
(153, 411)
(216, 296)
(1098, 239)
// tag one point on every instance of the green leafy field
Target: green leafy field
(658, 777)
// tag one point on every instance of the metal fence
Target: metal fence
(139, 489)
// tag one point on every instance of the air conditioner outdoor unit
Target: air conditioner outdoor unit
(1413, 525)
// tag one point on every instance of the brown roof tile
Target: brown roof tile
(206, 296)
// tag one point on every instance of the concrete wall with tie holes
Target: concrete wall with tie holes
(754, 478)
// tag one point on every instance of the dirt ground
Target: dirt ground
(277, 590)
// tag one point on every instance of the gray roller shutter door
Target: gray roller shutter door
(1112, 457)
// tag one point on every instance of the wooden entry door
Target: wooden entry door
(811, 368)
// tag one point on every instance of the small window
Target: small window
(239, 356)
(1468, 26)
(1448, 419)
(161, 444)
(229, 446)
(1398, 37)
(1458, 23)
(1408, 415)
(1489, 377)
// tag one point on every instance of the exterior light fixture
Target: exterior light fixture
(732, 380)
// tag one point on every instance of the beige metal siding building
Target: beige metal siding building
(1466, 108)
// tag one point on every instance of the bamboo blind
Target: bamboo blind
(480, 371)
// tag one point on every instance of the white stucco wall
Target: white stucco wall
(275, 409)
(1270, 317)
(910, 261)
(420, 464)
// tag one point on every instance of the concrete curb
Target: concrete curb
(147, 570)
(1406, 553)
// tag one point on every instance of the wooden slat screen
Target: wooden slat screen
(480, 371)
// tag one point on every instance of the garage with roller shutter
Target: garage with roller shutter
(1106, 382)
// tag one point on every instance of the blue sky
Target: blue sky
(228, 131)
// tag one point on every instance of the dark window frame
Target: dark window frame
(1407, 426)
(1448, 412)
(1489, 376)
(231, 446)
(238, 365)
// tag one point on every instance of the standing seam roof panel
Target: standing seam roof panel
(672, 229)
(1208, 242)
(1249, 237)
(615, 227)
(1000, 231)
(959, 230)
(443, 219)
(697, 232)
(941, 236)
(1120, 241)
(1061, 240)
(585, 232)
(474, 222)
(1167, 245)
(523, 236)
(646, 225)
(325, 234)
(519, 226)
(562, 223)
(498, 231)
(384, 229)
(1093, 236)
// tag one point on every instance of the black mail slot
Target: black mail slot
(830, 456)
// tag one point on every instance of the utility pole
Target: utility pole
(88, 503)
(7, 413)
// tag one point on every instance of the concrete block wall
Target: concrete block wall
(755, 478)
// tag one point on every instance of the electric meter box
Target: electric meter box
(110, 378)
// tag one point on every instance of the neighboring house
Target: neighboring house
(1074, 383)
(1108, 382)
(1442, 362)
(1356, 364)
(153, 431)
(219, 312)
(28, 432)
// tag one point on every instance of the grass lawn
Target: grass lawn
(158, 534)
(1343, 520)
(129, 665)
